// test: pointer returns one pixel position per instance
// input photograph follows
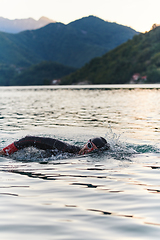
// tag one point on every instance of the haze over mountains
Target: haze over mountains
(19, 25)
(73, 45)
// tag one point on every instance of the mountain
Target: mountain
(73, 44)
(41, 74)
(38, 74)
(137, 60)
(18, 25)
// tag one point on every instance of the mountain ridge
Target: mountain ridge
(136, 61)
(19, 25)
(66, 44)
(72, 45)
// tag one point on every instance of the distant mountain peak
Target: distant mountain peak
(19, 25)
(46, 19)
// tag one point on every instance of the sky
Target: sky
(137, 14)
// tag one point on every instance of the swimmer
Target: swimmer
(45, 143)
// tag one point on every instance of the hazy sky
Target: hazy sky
(138, 14)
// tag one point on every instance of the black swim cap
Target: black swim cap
(99, 142)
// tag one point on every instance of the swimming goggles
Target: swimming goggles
(89, 145)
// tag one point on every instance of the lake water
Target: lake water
(106, 195)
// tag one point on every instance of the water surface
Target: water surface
(106, 195)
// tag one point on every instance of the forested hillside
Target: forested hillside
(140, 56)
(42, 74)
(74, 44)
(38, 74)
(71, 45)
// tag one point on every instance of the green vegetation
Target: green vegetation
(6, 73)
(73, 45)
(139, 55)
(39, 74)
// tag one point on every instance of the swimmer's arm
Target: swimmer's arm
(8, 150)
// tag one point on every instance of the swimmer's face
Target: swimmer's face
(88, 147)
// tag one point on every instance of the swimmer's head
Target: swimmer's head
(94, 143)
(99, 142)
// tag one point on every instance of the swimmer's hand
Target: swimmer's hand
(2, 152)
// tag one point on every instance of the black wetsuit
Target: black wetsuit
(45, 144)
(41, 143)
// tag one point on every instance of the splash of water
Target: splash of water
(121, 149)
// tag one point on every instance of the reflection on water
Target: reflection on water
(103, 195)
(134, 111)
